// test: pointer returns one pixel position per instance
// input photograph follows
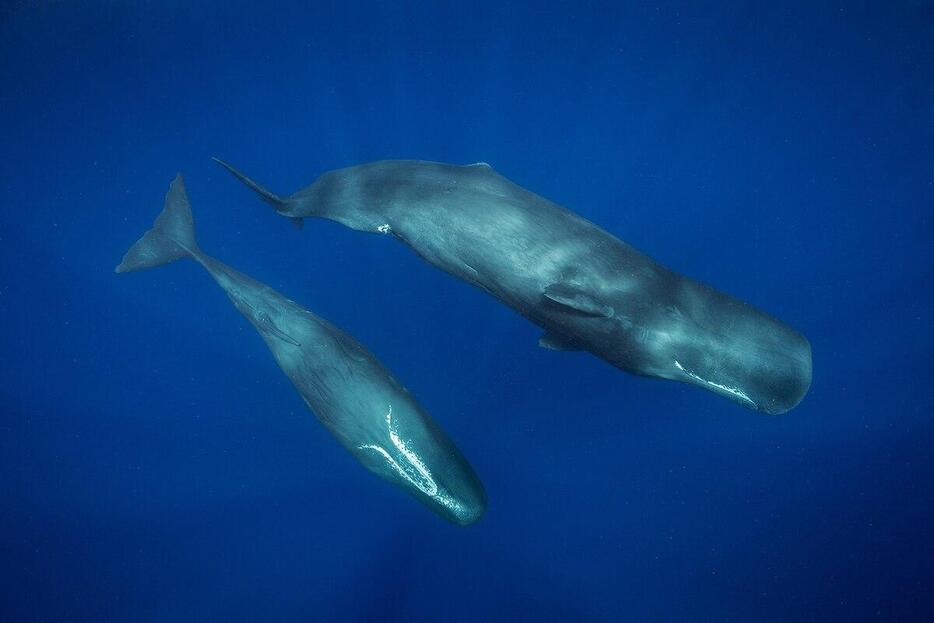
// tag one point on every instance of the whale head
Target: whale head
(766, 380)
(408, 449)
(734, 350)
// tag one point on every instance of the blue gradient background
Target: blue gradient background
(155, 465)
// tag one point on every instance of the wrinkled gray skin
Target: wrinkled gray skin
(344, 385)
(586, 288)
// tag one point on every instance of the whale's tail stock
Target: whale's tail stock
(172, 236)
(267, 195)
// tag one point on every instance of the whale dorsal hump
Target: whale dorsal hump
(482, 165)
(551, 341)
(574, 298)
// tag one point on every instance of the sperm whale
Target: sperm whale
(586, 288)
(356, 398)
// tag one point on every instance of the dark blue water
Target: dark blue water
(155, 464)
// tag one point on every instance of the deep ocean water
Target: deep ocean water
(156, 465)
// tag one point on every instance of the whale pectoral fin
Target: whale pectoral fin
(350, 347)
(274, 329)
(576, 299)
(550, 341)
(285, 337)
(297, 222)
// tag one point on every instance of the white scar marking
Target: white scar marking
(730, 390)
(384, 228)
(416, 472)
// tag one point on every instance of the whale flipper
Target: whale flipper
(550, 341)
(269, 325)
(575, 298)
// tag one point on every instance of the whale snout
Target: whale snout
(468, 509)
(788, 383)
(416, 455)
(460, 497)
(772, 379)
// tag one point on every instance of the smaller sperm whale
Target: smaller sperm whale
(370, 413)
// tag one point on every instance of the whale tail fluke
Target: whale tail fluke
(172, 236)
(267, 195)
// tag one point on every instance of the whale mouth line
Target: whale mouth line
(416, 472)
(733, 391)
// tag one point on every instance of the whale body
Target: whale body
(586, 288)
(357, 399)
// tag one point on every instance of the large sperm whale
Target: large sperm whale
(586, 288)
(345, 386)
